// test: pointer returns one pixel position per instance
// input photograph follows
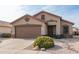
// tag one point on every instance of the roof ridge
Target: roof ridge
(46, 12)
(20, 18)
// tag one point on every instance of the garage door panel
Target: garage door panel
(27, 31)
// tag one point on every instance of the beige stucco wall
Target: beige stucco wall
(13, 30)
(31, 21)
(44, 29)
(3, 23)
(50, 17)
(70, 27)
(5, 29)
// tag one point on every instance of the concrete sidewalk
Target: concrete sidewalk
(22, 52)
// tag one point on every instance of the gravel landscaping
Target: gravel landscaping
(62, 46)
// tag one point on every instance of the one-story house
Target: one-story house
(75, 31)
(42, 23)
(5, 27)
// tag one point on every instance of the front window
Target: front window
(27, 19)
(43, 17)
(65, 29)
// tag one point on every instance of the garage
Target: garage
(27, 31)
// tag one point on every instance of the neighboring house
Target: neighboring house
(75, 31)
(42, 23)
(5, 27)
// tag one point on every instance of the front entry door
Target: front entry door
(51, 30)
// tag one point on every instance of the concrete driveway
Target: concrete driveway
(16, 46)
(13, 45)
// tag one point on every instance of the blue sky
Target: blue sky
(11, 12)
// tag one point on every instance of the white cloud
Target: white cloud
(10, 12)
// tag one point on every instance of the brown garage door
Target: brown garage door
(27, 31)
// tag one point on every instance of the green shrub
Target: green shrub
(44, 42)
(6, 35)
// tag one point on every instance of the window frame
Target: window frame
(27, 19)
(66, 29)
(43, 17)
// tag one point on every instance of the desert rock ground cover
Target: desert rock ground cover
(63, 46)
